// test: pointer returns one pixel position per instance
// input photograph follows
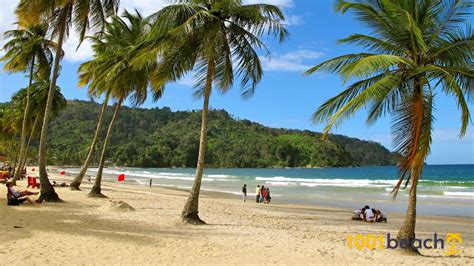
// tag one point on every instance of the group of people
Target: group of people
(262, 194)
(7, 172)
(369, 215)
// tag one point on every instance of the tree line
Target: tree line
(162, 138)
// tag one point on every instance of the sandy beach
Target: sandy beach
(92, 231)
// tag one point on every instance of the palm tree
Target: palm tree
(110, 72)
(76, 183)
(25, 49)
(417, 48)
(62, 14)
(211, 36)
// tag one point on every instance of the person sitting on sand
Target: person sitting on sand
(18, 197)
(380, 216)
(63, 184)
(359, 215)
(369, 215)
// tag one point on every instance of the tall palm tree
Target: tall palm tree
(218, 39)
(62, 14)
(416, 48)
(76, 183)
(110, 72)
(26, 48)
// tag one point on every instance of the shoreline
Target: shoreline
(235, 197)
(91, 230)
(350, 193)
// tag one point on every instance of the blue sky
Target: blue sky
(285, 98)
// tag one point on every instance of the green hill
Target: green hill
(162, 138)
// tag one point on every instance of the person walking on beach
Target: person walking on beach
(244, 192)
(257, 194)
(267, 196)
(263, 194)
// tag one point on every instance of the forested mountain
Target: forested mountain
(162, 138)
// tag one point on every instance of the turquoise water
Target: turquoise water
(443, 190)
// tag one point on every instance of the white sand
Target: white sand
(92, 231)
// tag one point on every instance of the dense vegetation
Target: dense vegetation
(162, 138)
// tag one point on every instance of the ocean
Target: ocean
(443, 189)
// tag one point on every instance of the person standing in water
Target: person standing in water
(244, 192)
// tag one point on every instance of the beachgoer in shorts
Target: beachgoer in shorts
(18, 197)
(257, 194)
(268, 198)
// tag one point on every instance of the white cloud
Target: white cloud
(292, 20)
(7, 17)
(72, 54)
(188, 80)
(296, 61)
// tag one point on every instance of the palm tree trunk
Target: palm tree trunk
(25, 117)
(47, 190)
(96, 189)
(415, 164)
(191, 209)
(407, 231)
(78, 179)
(17, 155)
(25, 155)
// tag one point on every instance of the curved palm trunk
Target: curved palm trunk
(25, 155)
(191, 209)
(23, 126)
(78, 179)
(96, 189)
(413, 163)
(47, 190)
